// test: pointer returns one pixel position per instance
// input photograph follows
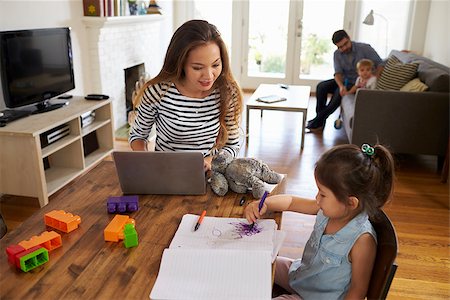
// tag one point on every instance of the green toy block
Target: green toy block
(34, 259)
(130, 236)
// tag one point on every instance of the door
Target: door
(289, 41)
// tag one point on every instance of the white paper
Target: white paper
(214, 274)
(277, 243)
(224, 233)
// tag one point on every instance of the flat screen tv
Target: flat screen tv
(36, 65)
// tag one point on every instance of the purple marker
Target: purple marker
(261, 203)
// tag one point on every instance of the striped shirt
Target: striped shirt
(183, 123)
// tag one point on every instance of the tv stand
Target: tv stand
(47, 106)
(28, 168)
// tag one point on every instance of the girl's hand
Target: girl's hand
(252, 212)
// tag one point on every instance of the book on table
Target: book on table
(224, 259)
(271, 99)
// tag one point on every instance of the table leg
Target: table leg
(261, 112)
(303, 130)
(247, 124)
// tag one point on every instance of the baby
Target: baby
(366, 78)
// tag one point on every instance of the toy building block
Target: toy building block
(49, 240)
(27, 259)
(12, 251)
(114, 231)
(61, 220)
(122, 204)
(130, 236)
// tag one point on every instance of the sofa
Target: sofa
(408, 122)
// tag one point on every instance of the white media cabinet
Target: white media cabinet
(21, 156)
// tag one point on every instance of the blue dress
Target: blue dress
(324, 272)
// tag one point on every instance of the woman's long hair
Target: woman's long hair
(188, 36)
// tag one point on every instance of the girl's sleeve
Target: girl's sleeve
(233, 143)
(146, 113)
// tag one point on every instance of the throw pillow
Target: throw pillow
(414, 85)
(396, 74)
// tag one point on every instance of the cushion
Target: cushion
(396, 74)
(414, 85)
(436, 78)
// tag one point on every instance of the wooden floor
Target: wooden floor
(419, 210)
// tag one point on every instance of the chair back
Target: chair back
(384, 268)
(3, 228)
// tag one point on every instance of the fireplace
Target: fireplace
(117, 44)
(132, 75)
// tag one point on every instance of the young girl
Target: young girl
(366, 79)
(194, 101)
(353, 183)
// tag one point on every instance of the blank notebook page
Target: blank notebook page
(214, 274)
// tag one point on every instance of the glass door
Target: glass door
(289, 41)
(317, 22)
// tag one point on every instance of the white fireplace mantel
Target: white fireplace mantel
(112, 21)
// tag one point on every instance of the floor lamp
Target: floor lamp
(369, 20)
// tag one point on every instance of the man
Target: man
(346, 56)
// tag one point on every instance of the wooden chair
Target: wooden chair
(3, 228)
(384, 268)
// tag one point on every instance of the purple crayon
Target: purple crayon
(122, 204)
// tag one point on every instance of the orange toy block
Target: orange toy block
(61, 220)
(49, 240)
(114, 231)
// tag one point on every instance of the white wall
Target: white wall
(30, 14)
(437, 42)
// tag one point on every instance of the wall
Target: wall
(16, 14)
(437, 43)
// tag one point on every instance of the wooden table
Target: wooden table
(297, 99)
(87, 267)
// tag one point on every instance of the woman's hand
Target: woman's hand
(207, 163)
(252, 212)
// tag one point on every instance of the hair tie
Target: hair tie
(367, 149)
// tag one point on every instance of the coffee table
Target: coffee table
(297, 98)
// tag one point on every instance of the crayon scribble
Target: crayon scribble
(243, 229)
(216, 232)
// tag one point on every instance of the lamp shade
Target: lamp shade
(369, 19)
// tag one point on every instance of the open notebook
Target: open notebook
(223, 259)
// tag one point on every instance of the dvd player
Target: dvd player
(54, 135)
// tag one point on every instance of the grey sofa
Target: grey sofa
(407, 122)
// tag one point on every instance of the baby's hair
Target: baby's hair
(364, 63)
(348, 171)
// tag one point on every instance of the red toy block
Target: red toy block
(12, 251)
(49, 240)
(114, 231)
(61, 220)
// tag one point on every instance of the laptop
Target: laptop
(166, 173)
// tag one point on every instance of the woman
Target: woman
(194, 101)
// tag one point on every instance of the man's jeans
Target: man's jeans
(322, 109)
